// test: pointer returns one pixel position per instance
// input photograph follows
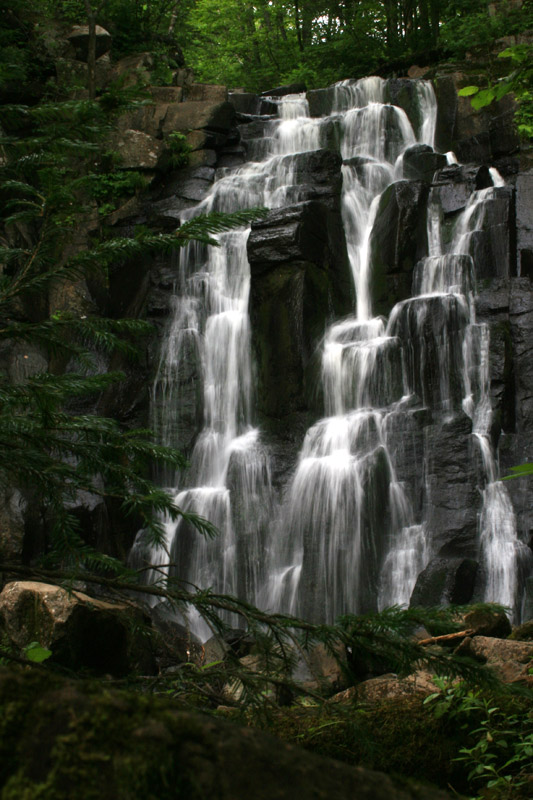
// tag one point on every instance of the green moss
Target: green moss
(400, 737)
(55, 736)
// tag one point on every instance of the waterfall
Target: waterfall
(347, 534)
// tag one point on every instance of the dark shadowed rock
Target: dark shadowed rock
(524, 224)
(281, 91)
(445, 581)
(488, 622)
(402, 92)
(453, 496)
(420, 162)
(299, 272)
(397, 242)
(446, 111)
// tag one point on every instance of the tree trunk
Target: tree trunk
(91, 56)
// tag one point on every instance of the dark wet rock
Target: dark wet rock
(402, 92)
(446, 111)
(524, 224)
(397, 242)
(453, 185)
(431, 329)
(420, 162)
(299, 272)
(281, 91)
(320, 101)
(452, 479)
(191, 183)
(245, 102)
(445, 581)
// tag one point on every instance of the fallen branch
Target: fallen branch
(446, 637)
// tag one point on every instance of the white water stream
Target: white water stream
(345, 529)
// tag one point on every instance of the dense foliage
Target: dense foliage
(257, 45)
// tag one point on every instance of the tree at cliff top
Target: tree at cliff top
(261, 44)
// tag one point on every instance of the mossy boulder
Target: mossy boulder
(60, 739)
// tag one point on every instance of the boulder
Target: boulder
(444, 581)
(193, 115)
(129, 745)
(320, 671)
(209, 92)
(402, 92)
(512, 661)
(387, 687)
(147, 118)
(166, 94)
(173, 643)
(137, 150)
(183, 77)
(81, 631)
(453, 185)
(247, 103)
(523, 633)
(79, 39)
(488, 622)
(321, 101)
(420, 162)
(134, 69)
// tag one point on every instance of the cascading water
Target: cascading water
(345, 537)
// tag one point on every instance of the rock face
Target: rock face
(131, 746)
(81, 632)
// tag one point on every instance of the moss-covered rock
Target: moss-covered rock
(61, 739)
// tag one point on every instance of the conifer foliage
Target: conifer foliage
(51, 155)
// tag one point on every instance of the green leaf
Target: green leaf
(36, 653)
(467, 91)
(483, 98)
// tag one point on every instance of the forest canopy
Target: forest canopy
(258, 45)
